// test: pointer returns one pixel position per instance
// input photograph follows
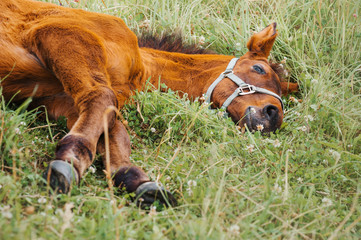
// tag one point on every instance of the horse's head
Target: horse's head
(250, 88)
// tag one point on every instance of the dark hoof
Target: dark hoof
(60, 175)
(149, 192)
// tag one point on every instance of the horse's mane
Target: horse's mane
(170, 42)
(173, 42)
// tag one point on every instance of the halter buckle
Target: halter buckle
(228, 71)
(251, 89)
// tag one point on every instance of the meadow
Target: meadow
(301, 182)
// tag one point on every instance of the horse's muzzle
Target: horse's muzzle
(265, 119)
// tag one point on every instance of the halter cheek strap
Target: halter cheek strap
(242, 86)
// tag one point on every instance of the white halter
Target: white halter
(228, 73)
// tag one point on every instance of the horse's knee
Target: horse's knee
(97, 100)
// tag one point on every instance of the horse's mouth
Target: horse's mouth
(255, 120)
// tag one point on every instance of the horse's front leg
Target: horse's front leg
(126, 175)
(78, 60)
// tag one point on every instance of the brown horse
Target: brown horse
(78, 64)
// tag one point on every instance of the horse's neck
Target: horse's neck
(190, 74)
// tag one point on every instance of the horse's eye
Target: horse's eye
(259, 69)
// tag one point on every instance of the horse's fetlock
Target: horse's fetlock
(130, 178)
(75, 149)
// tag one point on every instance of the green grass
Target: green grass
(302, 182)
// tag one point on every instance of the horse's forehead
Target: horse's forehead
(246, 64)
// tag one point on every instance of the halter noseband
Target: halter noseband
(242, 86)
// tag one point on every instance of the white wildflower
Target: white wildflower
(250, 148)
(111, 202)
(336, 155)
(153, 211)
(300, 180)
(297, 113)
(277, 143)
(220, 113)
(55, 220)
(17, 131)
(92, 169)
(309, 118)
(314, 107)
(234, 230)
(253, 110)
(330, 95)
(201, 40)
(303, 128)
(145, 24)
(49, 207)
(6, 211)
(314, 81)
(192, 183)
(220, 20)
(260, 127)
(202, 99)
(42, 200)
(326, 202)
(324, 161)
(189, 191)
(285, 72)
(23, 123)
(59, 211)
(7, 214)
(277, 188)
(153, 130)
(238, 44)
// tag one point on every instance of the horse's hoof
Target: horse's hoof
(149, 192)
(61, 175)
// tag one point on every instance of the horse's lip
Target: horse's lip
(247, 118)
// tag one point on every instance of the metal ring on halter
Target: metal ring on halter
(251, 89)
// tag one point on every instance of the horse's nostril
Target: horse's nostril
(270, 111)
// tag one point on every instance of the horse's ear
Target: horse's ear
(288, 87)
(260, 44)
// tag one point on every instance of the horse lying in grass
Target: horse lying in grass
(78, 64)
